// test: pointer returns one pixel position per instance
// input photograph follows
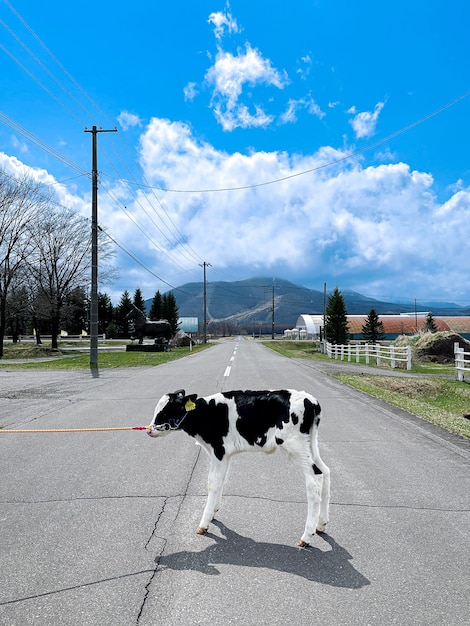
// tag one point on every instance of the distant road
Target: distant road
(99, 528)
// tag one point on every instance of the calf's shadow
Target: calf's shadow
(330, 567)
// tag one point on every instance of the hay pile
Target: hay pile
(434, 347)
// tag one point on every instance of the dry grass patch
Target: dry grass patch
(445, 403)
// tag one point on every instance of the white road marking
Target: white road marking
(227, 370)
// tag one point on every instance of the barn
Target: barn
(308, 326)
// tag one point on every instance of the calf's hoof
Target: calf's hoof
(321, 528)
(302, 544)
(201, 531)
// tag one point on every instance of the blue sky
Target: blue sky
(315, 141)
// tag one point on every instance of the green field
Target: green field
(66, 359)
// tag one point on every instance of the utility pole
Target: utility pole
(204, 265)
(272, 322)
(94, 247)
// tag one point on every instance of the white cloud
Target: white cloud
(223, 21)
(20, 146)
(307, 103)
(190, 91)
(364, 123)
(64, 195)
(229, 75)
(379, 230)
(128, 120)
(305, 65)
(379, 226)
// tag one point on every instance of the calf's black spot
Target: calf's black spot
(209, 420)
(258, 411)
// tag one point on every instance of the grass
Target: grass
(297, 349)
(438, 400)
(70, 359)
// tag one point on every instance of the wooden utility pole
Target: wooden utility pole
(204, 265)
(94, 247)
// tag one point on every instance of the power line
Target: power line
(324, 165)
(134, 258)
(173, 229)
(16, 127)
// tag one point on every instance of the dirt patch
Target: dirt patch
(433, 347)
(439, 347)
(411, 387)
(22, 351)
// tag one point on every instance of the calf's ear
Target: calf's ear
(190, 402)
(179, 393)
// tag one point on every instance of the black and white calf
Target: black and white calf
(237, 421)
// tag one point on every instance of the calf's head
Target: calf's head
(170, 412)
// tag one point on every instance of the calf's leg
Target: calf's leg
(217, 473)
(314, 487)
(325, 492)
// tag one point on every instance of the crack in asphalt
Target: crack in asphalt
(231, 495)
(92, 498)
(154, 531)
(164, 540)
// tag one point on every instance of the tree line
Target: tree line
(45, 268)
(113, 320)
(337, 328)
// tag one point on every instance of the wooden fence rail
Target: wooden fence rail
(462, 362)
(392, 356)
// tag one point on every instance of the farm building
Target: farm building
(308, 326)
(188, 324)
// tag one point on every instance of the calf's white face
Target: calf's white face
(156, 429)
(170, 411)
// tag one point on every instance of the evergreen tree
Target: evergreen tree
(170, 311)
(336, 319)
(430, 324)
(122, 309)
(105, 312)
(373, 329)
(156, 308)
(139, 300)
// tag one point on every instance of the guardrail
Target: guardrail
(462, 362)
(393, 355)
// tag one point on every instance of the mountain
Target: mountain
(250, 302)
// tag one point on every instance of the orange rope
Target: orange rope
(74, 430)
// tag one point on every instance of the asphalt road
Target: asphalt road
(99, 528)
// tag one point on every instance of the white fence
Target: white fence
(391, 355)
(462, 362)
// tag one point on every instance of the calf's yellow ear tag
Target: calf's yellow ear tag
(189, 406)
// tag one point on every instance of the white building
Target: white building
(308, 326)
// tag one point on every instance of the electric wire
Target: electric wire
(28, 135)
(36, 80)
(323, 165)
(128, 183)
(134, 258)
(179, 236)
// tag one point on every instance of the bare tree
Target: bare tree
(61, 259)
(21, 204)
